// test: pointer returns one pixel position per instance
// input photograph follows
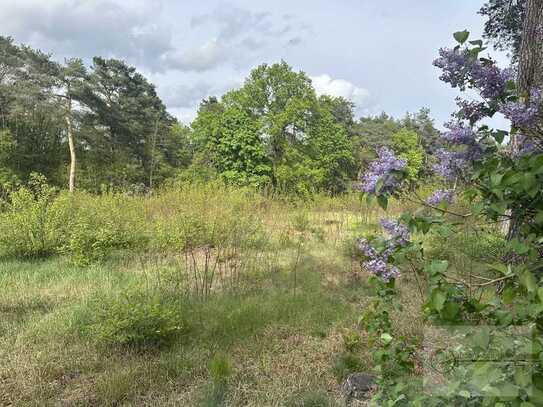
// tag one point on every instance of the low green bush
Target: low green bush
(30, 225)
(100, 224)
(135, 320)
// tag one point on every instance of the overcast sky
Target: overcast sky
(378, 53)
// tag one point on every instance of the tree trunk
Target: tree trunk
(71, 144)
(530, 69)
(530, 77)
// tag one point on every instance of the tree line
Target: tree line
(104, 126)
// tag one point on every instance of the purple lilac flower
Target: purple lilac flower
(458, 133)
(456, 66)
(383, 169)
(397, 231)
(441, 195)
(523, 114)
(366, 248)
(491, 80)
(470, 110)
(525, 146)
(450, 164)
(381, 269)
(460, 70)
(377, 262)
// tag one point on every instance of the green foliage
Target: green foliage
(241, 157)
(207, 216)
(31, 221)
(135, 320)
(98, 225)
(275, 130)
(406, 143)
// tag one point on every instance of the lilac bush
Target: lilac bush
(441, 196)
(383, 170)
(377, 261)
(461, 69)
(521, 114)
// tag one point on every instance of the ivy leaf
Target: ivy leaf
(461, 36)
(478, 43)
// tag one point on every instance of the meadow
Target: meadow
(198, 295)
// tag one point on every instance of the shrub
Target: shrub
(30, 224)
(100, 224)
(136, 320)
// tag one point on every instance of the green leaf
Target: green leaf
(528, 280)
(481, 339)
(382, 201)
(539, 217)
(461, 36)
(450, 312)
(438, 267)
(386, 338)
(540, 294)
(438, 299)
(496, 179)
(464, 393)
(499, 135)
(479, 43)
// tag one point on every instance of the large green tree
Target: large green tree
(296, 140)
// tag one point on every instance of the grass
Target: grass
(276, 312)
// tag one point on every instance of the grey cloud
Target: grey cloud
(89, 28)
(188, 96)
(295, 41)
(208, 56)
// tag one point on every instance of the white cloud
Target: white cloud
(325, 85)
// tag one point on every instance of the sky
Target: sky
(377, 53)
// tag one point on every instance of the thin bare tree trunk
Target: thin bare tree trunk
(71, 144)
(153, 146)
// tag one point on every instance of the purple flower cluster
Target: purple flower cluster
(491, 80)
(398, 233)
(450, 164)
(525, 146)
(456, 66)
(383, 169)
(462, 70)
(458, 133)
(523, 114)
(470, 110)
(439, 196)
(377, 261)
